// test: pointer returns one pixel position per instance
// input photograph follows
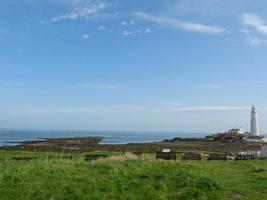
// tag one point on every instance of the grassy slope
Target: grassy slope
(117, 178)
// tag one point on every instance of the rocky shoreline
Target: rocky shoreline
(87, 144)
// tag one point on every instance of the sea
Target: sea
(10, 137)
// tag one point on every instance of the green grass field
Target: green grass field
(128, 177)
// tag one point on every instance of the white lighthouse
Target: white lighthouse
(254, 126)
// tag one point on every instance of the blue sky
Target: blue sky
(154, 65)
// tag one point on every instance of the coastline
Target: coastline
(87, 144)
(9, 137)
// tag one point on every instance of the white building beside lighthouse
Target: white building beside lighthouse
(254, 125)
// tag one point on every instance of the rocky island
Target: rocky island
(87, 144)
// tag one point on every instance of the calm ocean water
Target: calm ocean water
(110, 137)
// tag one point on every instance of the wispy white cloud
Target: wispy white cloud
(124, 23)
(211, 86)
(98, 86)
(147, 30)
(254, 21)
(255, 41)
(43, 21)
(83, 9)
(190, 26)
(127, 109)
(89, 11)
(245, 31)
(210, 109)
(85, 36)
(101, 28)
(137, 31)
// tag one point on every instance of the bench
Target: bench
(23, 158)
(244, 157)
(61, 157)
(94, 157)
(217, 156)
(191, 156)
(166, 156)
